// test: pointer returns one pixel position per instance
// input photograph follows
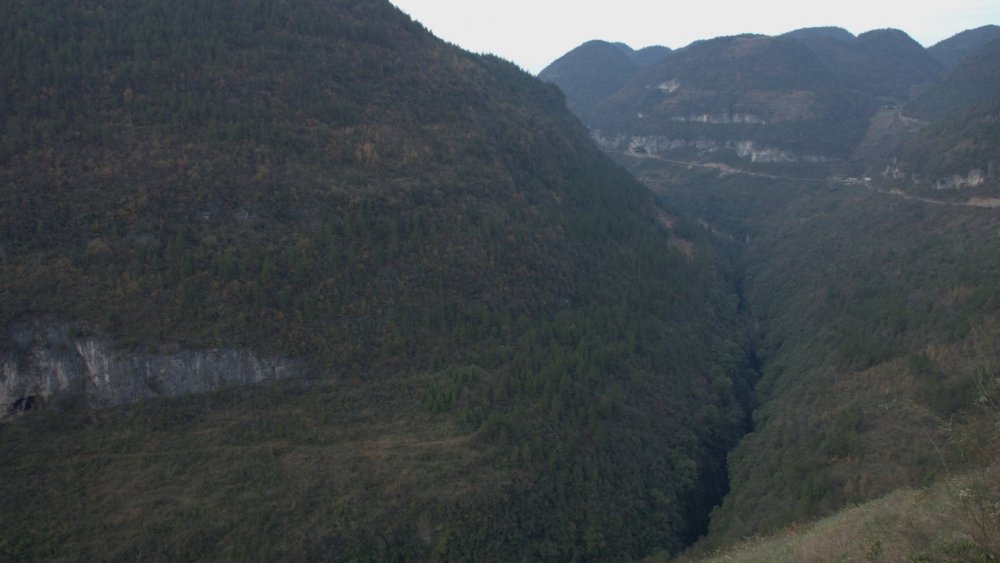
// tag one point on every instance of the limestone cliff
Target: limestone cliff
(42, 362)
(662, 146)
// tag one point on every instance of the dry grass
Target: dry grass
(955, 520)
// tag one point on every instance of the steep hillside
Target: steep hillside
(953, 520)
(875, 327)
(513, 351)
(958, 154)
(974, 81)
(957, 158)
(956, 48)
(891, 65)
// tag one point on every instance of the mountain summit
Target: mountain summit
(595, 70)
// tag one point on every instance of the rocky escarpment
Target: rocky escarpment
(899, 173)
(44, 362)
(662, 146)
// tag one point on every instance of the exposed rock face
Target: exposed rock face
(897, 173)
(652, 144)
(973, 179)
(43, 362)
(658, 145)
(720, 118)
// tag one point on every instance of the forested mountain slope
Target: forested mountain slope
(514, 352)
(753, 97)
(872, 300)
(874, 321)
(804, 97)
(885, 64)
(956, 48)
(955, 159)
(593, 71)
(972, 82)
(956, 156)
(590, 73)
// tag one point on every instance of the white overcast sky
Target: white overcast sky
(533, 33)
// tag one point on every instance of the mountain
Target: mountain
(472, 336)
(870, 301)
(891, 64)
(590, 73)
(593, 71)
(804, 97)
(649, 55)
(956, 48)
(500, 345)
(820, 33)
(753, 97)
(885, 64)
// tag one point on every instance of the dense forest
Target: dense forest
(873, 317)
(511, 349)
(597, 69)
(508, 347)
(870, 300)
(804, 96)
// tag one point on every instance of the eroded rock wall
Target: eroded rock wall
(41, 362)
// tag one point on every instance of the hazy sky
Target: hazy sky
(533, 33)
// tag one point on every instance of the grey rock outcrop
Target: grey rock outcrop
(662, 146)
(42, 362)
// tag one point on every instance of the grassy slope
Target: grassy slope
(955, 520)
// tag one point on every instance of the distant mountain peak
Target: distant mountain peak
(891, 40)
(884, 32)
(650, 55)
(829, 32)
(624, 47)
(600, 43)
(596, 69)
